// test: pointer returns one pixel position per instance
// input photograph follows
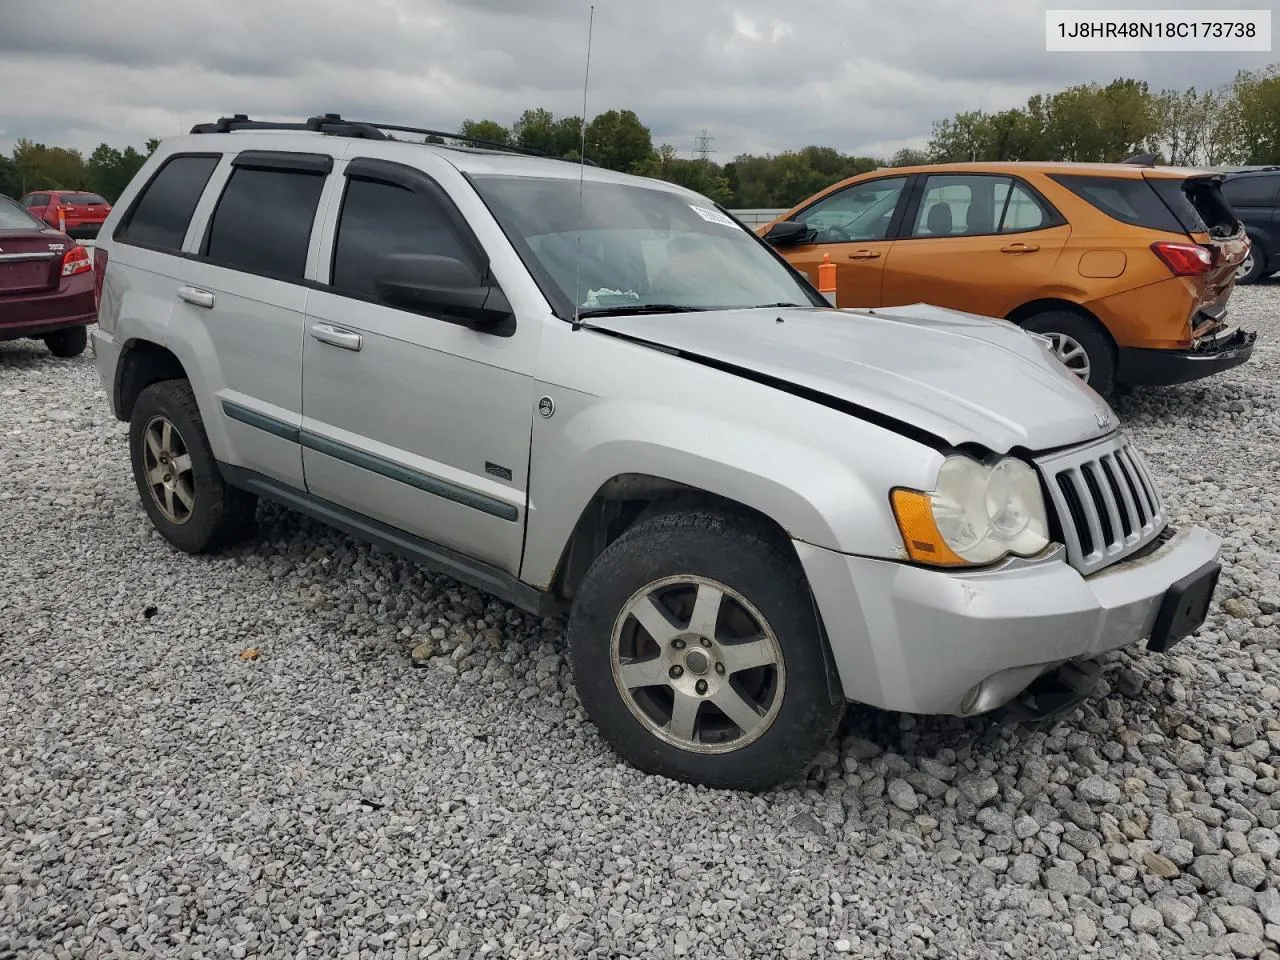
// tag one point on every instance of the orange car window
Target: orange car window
(863, 212)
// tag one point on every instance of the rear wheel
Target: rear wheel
(177, 476)
(1080, 344)
(698, 655)
(1252, 270)
(67, 343)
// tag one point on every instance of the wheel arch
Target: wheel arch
(626, 500)
(142, 363)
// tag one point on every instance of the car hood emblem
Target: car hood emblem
(1103, 418)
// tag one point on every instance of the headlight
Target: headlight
(976, 514)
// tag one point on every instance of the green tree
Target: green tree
(489, 130)
(10, 181)
(1254, 114)
(41, 167)
(616, 139)
(152, 143)
(909, 157)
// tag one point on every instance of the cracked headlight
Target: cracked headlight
(976, 514)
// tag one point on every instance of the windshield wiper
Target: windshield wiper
(627, 309)
(779, 306)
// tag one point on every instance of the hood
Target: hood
(960, 377)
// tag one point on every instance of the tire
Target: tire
(200, 512)
(67, 343)
(678, 557)
(1072, 333)
(1256, 264)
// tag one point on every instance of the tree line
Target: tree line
(1238, 123)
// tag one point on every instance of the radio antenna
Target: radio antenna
(582, 168)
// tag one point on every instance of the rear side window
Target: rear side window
(1252, 191)
(36, 200)
(1129, 201)
(263, 221)
(13, 217)
(163, 211)
(380, 218)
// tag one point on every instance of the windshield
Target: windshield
(14, 217)
(83, 199)
(640, 249)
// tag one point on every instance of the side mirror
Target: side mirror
(444, 287)
(787, 233)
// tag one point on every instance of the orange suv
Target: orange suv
(1125, 267)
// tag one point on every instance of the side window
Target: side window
(262, 223)
(1129, 200)
(1021, 211)
(379, 218)
(863, 211)
(37, 200)
(163, 210)
(1254, 191)
(961, 205)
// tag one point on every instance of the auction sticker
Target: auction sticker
(712, 216)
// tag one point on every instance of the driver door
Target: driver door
(855, 227)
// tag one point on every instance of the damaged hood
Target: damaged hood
(963, 378)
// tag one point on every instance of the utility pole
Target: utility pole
(702, 146)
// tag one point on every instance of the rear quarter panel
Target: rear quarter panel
(1108, 268)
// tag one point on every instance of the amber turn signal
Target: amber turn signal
(920, 535)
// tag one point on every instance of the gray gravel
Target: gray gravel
(162, 795)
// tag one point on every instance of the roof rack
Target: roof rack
(334, 125)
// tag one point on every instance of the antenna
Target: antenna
(582, 169)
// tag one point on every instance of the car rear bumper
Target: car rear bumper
(1138, 366)
(106, 357)
(924, 641)
(36, 314)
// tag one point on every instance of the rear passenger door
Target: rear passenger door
(408, 419)
(980, 243)
(243, 300)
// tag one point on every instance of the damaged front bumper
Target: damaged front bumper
(1210, 355)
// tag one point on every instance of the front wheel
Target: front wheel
(698, 655)
(1080, 345)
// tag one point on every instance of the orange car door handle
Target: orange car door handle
(1020, 248)
(863, 255)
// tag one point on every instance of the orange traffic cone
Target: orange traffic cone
(62, 218)
(827, 279)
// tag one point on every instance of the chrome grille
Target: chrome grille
(1106, 503)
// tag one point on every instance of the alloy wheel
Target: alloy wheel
(168, 468)
(1071, 354)
(697, 664)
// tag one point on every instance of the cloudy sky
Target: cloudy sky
(865, 76)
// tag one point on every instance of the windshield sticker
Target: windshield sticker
(712, 216)
(605, 297)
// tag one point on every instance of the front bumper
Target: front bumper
(1138, 366)
(924, 641)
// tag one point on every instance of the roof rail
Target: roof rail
(333, 124)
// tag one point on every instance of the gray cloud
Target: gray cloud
(866, 76)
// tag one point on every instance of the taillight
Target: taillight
(1184, 259)
(99, 274)
(76, 260)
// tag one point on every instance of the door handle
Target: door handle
(864, 255)
(1020, 248)
(196, 297)
(335, 337)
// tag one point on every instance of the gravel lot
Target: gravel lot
(162, 795)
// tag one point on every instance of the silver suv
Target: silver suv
(600, 394)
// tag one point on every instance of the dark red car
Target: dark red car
(47, 283)
(82, 213)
